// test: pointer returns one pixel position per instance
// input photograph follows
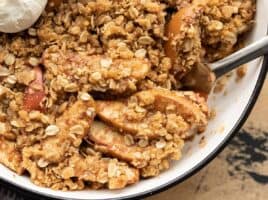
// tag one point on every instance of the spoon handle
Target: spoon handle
(249, 53)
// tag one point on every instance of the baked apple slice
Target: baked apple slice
(140, 153)
(157, 112)
(112, 142)
(183, 31)
(35, 92)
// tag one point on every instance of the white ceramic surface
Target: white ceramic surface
(231, 108)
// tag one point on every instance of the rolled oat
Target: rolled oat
(118, 60)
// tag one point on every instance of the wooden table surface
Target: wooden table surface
(240, 172)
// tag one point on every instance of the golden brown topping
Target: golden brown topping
(93, 73)
(222, 23)
(53, 4)
(10, 156)
(120, 60)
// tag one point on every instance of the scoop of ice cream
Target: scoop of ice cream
(18, 15)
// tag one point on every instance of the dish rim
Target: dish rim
(245, 114)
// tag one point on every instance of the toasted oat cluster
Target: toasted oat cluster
(91, 95)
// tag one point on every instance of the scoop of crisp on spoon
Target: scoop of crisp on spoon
(203, 77)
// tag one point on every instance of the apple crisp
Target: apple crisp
(91, 95)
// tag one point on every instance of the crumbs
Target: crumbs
(221, 83)
(221, 129)
(212, 113)
(202, 142)
(241, 72)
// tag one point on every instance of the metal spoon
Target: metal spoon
(203, 77)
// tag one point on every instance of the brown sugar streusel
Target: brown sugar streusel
(91, 97)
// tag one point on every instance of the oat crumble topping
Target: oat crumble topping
(91, 95)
